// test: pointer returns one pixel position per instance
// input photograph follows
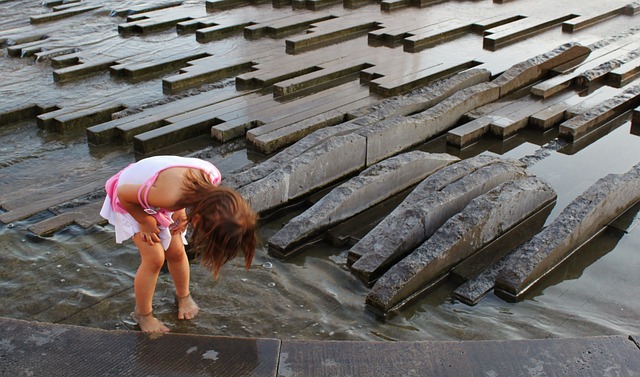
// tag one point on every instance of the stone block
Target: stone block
(484, 219)
(396, 134)
(372, 186)
(435, 182)
(583, 218)
(423, 219)
(534, 69)
(309, 171)
(579, 126)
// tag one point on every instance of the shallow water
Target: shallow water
(82, 277)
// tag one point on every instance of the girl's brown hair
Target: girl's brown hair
(222, 222)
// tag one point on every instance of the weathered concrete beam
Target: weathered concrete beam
(534, 69)
(579, 126)
(483, 220)
(423, 219)
(312, 170)
(423, 98)
(391, 136)
(243, 178)
(369, 188)
(53, 16)
(435, 182)
(579, 221)
(477, 274)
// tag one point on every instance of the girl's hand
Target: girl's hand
(149, 231)
(179, 222)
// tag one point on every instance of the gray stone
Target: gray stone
(312, 170)
(483, 220)
(426, 216)
(393, 135)
(579, 126)
(579, 221)
(534, 69)
(435, 182)
(371, 187)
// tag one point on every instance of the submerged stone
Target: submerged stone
(485, 218)
(583, 218)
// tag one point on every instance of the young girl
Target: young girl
(153, 201)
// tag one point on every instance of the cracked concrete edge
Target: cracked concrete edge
(582, 219)
(484, 219)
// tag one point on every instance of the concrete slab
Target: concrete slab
(42, 349)
(596, 356)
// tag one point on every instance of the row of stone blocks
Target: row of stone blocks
(458, 211)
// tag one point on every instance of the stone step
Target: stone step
(82, 119)
(591, 18)
(125, 127)
(269, 142)
(304, 108)
(624, 74)
(579, 126)
(204, 71)
(426, 38)
(599, 56)
(391, 33)
(582, 219)
(327, 73)
(221, 31)
(370, 187)
(84, 216)
(483, 220)
(395, 84)
(235, 127)
(600, 74)
(158, 65)
(329, 32)
(501, 36)
(283, 26)
(85, 68)
(54, 16)
(391, 240)
(129, 11)
(152, 25)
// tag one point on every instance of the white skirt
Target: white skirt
(126, 226)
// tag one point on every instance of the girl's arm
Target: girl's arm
(128, 195)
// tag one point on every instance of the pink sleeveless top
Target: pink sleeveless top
(145, 172)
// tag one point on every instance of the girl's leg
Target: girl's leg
(178, 264)
(152, 259)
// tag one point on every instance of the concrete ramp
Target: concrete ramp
(369, 188)
(582, 219)
(483, 220)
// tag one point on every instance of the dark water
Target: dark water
(82, 277)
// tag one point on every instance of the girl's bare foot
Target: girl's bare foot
(149, 323)
(187, 308)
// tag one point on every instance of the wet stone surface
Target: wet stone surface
(86, 91)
